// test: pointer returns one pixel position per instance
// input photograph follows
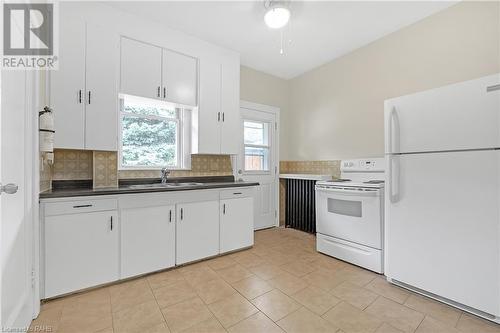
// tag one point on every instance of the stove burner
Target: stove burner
(374, 182)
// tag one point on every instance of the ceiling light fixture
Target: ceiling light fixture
(277, 16)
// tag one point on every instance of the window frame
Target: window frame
(183, 142)
(267, 146)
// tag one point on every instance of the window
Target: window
(256, 139)
(151, 134)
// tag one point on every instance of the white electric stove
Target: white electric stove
(350, 214)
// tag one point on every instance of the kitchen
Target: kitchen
(317, 167)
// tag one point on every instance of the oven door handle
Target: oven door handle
(357, 193)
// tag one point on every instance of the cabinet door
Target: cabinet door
(232, 127)
(180, 78)
(68, 85)
(197, 231)
(140, 73)
(81, 251)
(101, 95)
(236, 224)
(147, 239)
(209, 111)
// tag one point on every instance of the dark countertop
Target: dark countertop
(130, 187)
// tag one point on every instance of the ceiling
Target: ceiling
(319, 31)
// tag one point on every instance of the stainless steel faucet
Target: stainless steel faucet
(164, 175)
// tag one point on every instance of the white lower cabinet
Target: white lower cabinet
(147, 239)
(236, 221)
(81, 251)
(197, 231)
(96, 240)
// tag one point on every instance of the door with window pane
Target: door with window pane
(258, 163)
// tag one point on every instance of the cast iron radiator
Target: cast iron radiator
(300, 210)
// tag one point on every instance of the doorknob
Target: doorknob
(9, 188)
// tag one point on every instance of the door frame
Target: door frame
(276, 158)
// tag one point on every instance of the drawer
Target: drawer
(79, 206)
(237, 192)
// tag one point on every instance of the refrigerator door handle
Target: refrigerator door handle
(393, 177)
(394, 135)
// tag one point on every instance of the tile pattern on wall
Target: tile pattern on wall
(72, 164)
(201, 165)
(309, 167)
(105, 169)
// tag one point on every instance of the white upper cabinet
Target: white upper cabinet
(218, 116)
(232, 127)
(101, 95)
(180, 78)
(208, 116)
(68, 85)
(140, 73)
(153, 72)
(84, 91)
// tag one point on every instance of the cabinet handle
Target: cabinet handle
(82, 206)
(111, 223)
(164, 92)
(222, 116)
(182, 214)
(224, 209)
(170, 216)
(218, 116)
(158, 91)
(89, 96)
(80, 96)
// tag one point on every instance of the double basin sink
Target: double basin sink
(165, 185)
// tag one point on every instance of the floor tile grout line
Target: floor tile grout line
(158, 304)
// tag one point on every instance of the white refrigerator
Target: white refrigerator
(442, 222)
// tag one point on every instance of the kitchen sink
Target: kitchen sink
(160, 185)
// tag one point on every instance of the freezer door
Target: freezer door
(460, 116)
(442, 225)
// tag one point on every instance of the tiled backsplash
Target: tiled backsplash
(201, 165)
(102, 167)
(309, 167)
(72, 164)
(105, 169)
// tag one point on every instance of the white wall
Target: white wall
(270, 90)
(336, 110)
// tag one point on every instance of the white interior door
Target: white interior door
(258, 161)
(15, 212)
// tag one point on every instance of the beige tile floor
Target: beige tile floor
(280, 285)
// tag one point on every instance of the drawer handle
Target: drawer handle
(82, 206)
(237, 193)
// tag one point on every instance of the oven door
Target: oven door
(350, 214)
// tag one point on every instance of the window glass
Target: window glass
(256, 159)
(256, 133)
(256, 140)
(149, 134)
